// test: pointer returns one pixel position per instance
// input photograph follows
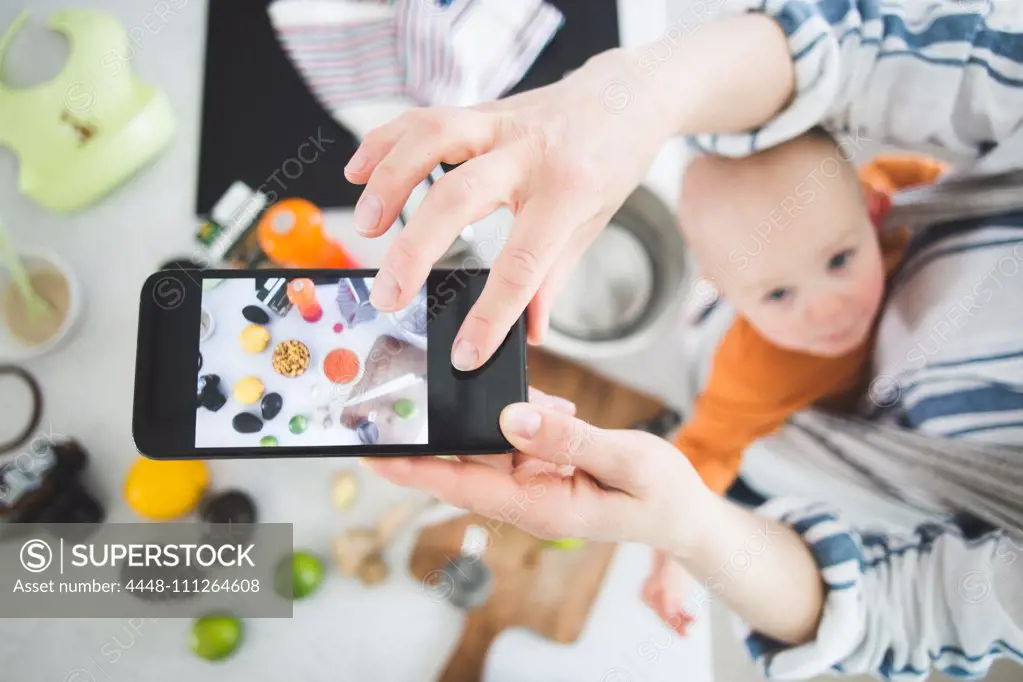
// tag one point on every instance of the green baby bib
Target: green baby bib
(82, 134)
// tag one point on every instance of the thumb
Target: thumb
(611, 457)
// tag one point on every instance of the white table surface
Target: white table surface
(393, 632)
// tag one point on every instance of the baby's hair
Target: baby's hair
(712, 181)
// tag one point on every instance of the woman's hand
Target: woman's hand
(571, 479)
(563, 158)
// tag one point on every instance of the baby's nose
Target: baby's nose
(828, 310)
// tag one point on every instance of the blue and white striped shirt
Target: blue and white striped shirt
(917, 74)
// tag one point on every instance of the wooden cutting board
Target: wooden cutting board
(547, 590)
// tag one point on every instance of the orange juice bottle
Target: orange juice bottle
(291, 234)
(302, 293)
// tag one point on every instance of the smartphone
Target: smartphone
(298, 363)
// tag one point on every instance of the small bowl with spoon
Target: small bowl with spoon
(40, 301)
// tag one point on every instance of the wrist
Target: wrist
(628, 87)
(692, 529)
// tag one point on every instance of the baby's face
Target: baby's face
(797, 258)
(815, 287)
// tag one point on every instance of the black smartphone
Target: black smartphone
(272, 363)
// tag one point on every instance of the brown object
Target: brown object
(373, 570)
(598, 400)
(388, 359)
(352, 549)
(37, 406)
(359, 551)
(50, 285)
(541, 588)
(290, 358)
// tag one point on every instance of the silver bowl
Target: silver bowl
(624, 284)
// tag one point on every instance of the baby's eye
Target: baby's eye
(775, 295)
(840, 259)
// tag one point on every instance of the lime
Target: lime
(216, 637)
(404, 408)
(566, 543)
(299, 575)
(298, 424)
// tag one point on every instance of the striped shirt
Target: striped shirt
(949, 595)
(432, 52)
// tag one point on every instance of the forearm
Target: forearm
(873, 69)
(728, 76)
(754, 564)
(894, 605)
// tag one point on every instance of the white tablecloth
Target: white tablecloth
(394, 632)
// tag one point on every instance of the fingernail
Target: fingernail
(464, 356)
(356, 163)
(522, 420)
(385, 290)
(367, 213)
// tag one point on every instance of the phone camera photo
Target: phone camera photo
(308, 362)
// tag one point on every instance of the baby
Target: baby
(790, 238)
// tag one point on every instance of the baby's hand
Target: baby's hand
(665, 591)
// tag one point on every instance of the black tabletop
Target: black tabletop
(257, 112)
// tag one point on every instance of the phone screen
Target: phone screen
(306, 361)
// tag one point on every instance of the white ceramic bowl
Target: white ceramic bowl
(13, 349)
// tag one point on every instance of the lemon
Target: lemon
(165, 490)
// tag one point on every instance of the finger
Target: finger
(432, 136)
(551, 402)
(379, 141)
(540, 232)
(513, 461)
(542, 305)
(611, 457)
(472, 191)
(466, 485)
(680, 622)
(502, 462)
(373, 147)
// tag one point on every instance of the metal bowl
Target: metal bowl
(623, 285)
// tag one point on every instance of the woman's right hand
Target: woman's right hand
(563, 158)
